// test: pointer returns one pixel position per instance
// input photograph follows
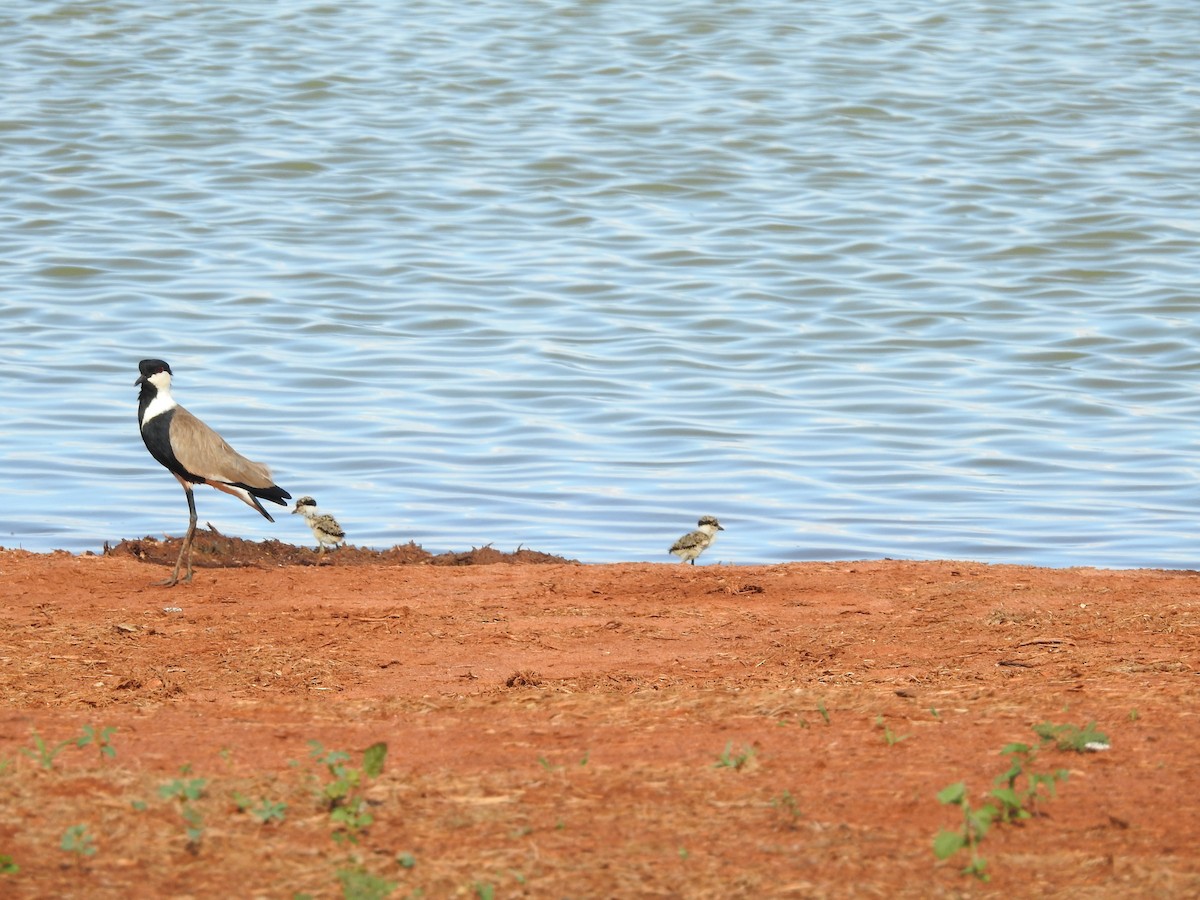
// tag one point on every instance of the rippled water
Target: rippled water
(884, 279)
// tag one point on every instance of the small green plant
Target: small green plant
(7, 866)
(77, 840)
(788, 808)
(551, 767)
(802, 722)
(975, 824)
(1134, 715)
(269, 811)
(823, 711)
(737, 761)
(484, 890)
(183, 789)
(1072, 737)
(348, 808)
(45, 753)
(195, 826)
(101, 738)
(187, 791)
(933, 711)
(359, 884)
(1016, 792)
(1017, 803)
(406, 860)
(890, 736)
(266, 810)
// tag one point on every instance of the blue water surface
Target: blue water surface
(878, 279)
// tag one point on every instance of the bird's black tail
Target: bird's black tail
(274, 493)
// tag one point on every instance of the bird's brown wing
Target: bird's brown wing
(203, 452)
(688, 541)
(329, 525)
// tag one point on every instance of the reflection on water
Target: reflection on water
(873, 281)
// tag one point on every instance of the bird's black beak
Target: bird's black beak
(141, 380)
(720, 528)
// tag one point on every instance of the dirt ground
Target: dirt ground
(584, 731)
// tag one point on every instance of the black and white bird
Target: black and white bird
(325, 527)
(692, 544)
(195, 454)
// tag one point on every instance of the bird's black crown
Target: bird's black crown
(150, 367)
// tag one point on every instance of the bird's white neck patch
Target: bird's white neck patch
(163, 401)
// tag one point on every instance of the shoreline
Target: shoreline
(223, 551)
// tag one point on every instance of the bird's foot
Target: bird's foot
(174, 580)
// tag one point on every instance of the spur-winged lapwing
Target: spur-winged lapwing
(692, 544)
(325, 527)
(195, 454)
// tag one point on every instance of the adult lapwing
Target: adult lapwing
(195, 454)
(325, 527)
(692, 544)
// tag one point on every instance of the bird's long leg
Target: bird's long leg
(191, 533)
(187, 543)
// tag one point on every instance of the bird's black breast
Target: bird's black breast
(157, 436)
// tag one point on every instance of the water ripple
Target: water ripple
(877, 282)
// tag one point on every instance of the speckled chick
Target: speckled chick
(692, 544)
(324, 526)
